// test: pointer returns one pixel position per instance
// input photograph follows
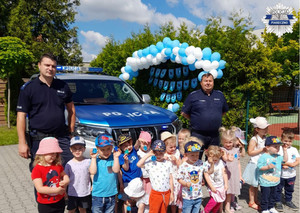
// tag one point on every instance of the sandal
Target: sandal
(254, 206)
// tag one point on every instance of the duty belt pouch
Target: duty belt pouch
(37, 135)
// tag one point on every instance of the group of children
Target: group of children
(153, 175)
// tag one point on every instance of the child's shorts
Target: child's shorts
(82, 202)
(250, 174)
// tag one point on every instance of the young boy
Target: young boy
(288, 173)
(104, 167)
(190, 175)
(79, 190)
(269, 165)
(160, 173)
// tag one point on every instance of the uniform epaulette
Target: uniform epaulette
(24, 85)
(219, 91)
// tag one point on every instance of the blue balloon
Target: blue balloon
(134, 74)
(121, 76)
(165, 40)
(153, 50)
(222, 64)
(201, 74)
(184, 45)
(220, 74)
(146, 51)
(140, 53)
(215, 56)
(206, 53)
(170, 44)
(159, 46)
(175, 107)
(173, 56)
(175, 43)
(192, 67)
(130, 77)
(184, 61)
(168, 52)
(181, 52)
(128, 69)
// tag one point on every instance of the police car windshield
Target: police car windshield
(88, 91)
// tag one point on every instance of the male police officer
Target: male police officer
(204, 108)
(44, 100)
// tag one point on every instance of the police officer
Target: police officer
(44, 100)
(205, 108)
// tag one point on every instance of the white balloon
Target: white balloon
(159, 56)
(178, 59)
(134, 68)
(123, 69)
(206, 65)
(188, 50)
(170, 107)
(175, 50)
(125, 76)
(143, 60)
(214, 73)
(198, 64)
(135, 55)
(191, 59)
(164, 60)
(149, 58)
(163, 52)
(214, 65)
(138, 62)
(147, 66)
(155, 61)
(198, 53)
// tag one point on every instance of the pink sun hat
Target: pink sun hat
(48, 145)
(145, 136)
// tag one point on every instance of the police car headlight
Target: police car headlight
(87, 131)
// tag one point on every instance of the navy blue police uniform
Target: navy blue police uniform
(205, 115)
(45, 108)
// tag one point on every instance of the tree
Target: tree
(13, 56)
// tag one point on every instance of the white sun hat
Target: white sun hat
(135, 188)
(259, 122)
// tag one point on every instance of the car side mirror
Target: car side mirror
(146, 98)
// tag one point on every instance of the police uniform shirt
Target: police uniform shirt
(205, 110)
(45, 105)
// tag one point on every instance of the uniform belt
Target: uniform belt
(38, 135)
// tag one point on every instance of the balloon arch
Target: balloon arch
(193, 58)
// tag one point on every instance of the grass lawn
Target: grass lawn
(8, 136)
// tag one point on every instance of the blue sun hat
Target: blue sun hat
(240, 134)
(158, 145)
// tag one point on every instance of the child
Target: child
(145, 143)
(49, 177)
(160, 174)
(135, 191)
(255, 149)
(231, 157)
(288, 172)
(217, 181)
(190, 175)
(182, 135)
(128, 160)
(105, 168)
(269, 165)
(173, 155)
(77, 169)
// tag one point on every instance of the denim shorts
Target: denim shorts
(103, 204)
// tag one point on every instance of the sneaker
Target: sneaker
(273, 210)
(279, 207)
(236, 206)
(291, 205)
(265, 211)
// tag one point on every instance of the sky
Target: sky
(98, 20)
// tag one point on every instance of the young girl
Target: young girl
(217, 181)
(173, 155)
(231, 157)
(182, 135)
(49, 178)
(160, 174)
(255, 150)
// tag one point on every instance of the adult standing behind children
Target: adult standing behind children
(205, 108)
(44, 100)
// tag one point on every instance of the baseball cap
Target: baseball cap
(192, 146)
(165, 135)
(48, 145)
(158, 145)
(259, 122)
(103, 140)
(135, 188)
(145, 136)
(123, 138)
(273, 140)
(77, 140)
(240, 134)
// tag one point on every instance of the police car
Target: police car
(107, 103)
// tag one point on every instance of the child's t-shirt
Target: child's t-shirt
(141, 154)
(50, 176)
(133, 171)
(260, 143)
(192, 174)
(216, 177)
(159, 174)
(270, 177)
(78, 172)
(105, 180)
(293, 154)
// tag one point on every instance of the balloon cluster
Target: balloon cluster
(177, 52)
